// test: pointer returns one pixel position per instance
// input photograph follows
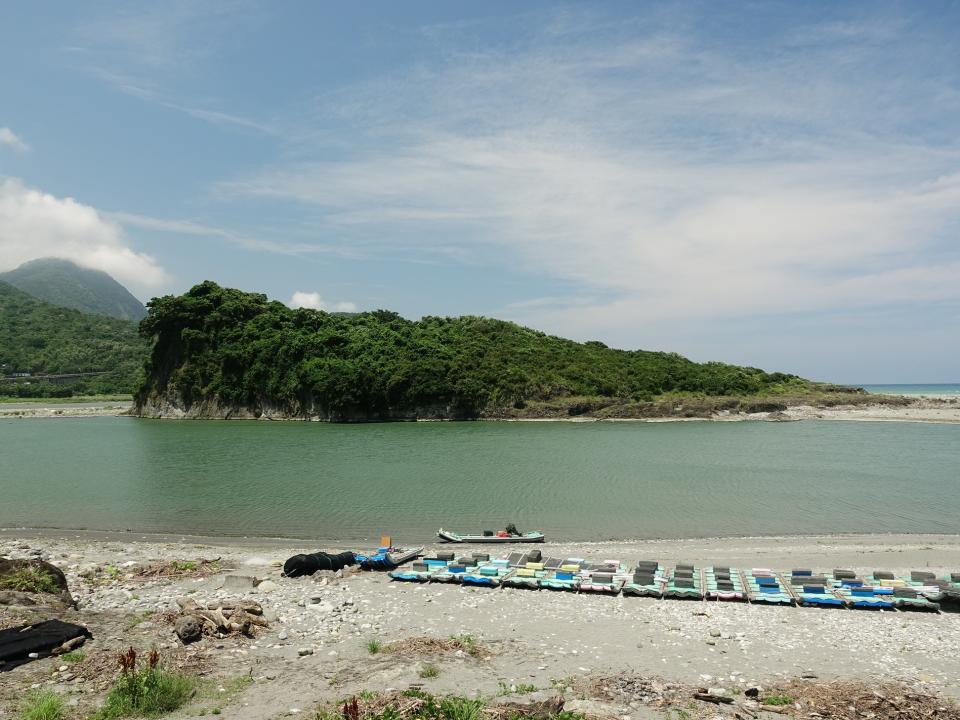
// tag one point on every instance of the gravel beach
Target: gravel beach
(316, 646)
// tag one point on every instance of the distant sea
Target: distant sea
(944, 389)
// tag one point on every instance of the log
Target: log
(715, 699)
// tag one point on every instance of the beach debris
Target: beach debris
(22, 644)
(425, 645)
(536, 706)
(219, 619)
(201, 567)
(716, 696)
(853, 700)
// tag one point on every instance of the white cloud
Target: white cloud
(196, 229)
(35, 224)
(10, 139)
(313, 301)
(664, 175)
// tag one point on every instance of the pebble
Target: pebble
(305, 651)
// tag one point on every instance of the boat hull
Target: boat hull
(451, 537)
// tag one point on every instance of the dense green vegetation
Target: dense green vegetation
(61, 282)
(38, 337)
(241, 351)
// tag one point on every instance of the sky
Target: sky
(770, 184)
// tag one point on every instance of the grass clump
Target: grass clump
(518, 689)
(779, 700)
(468, 645)
(429, 671)
(42, 705)
(374, 646)
(145, 691)
(29, 579)
(74, 656)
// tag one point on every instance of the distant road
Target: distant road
(66, 405)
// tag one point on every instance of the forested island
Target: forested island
(221, 353)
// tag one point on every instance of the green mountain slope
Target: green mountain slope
(62, 282)
(41, 338)
(222, 352)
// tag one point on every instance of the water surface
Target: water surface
(576, 481)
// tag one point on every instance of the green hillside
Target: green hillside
(41, 338)
(64, 283)
(230, 352)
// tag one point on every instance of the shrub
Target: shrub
(145, 691)
(778, 700)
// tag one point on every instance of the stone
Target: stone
(238, 583)
(715, 633)
(268, 586)
(188, 629)
(282, 635)
(808, 675)
(305, 651)
(15, 597)
(10, 567)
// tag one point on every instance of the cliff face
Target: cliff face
(173, 406)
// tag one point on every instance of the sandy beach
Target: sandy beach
(316, 646)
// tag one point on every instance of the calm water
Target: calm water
(581, 481)
(944, 389)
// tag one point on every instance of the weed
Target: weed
(42, 705)
(136, 619)
(460, 708)
(468, 645)
(150, 690)
(73, 657)
(779, 700)
(568, 715)
(429, 671)
(374, 646)
(518, 689)
(29, 579)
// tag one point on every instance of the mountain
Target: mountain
(220, 352)
(42, 338)
(64, 283)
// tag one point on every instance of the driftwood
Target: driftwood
(69, 645)
(224, 618)
(716, 699)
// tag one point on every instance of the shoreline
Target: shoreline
(251, 541)
(945, 411)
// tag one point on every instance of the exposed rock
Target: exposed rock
(188, 629)
(15, 597)
(239, 583)
(9, 567)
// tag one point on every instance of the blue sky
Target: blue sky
(775, 184)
